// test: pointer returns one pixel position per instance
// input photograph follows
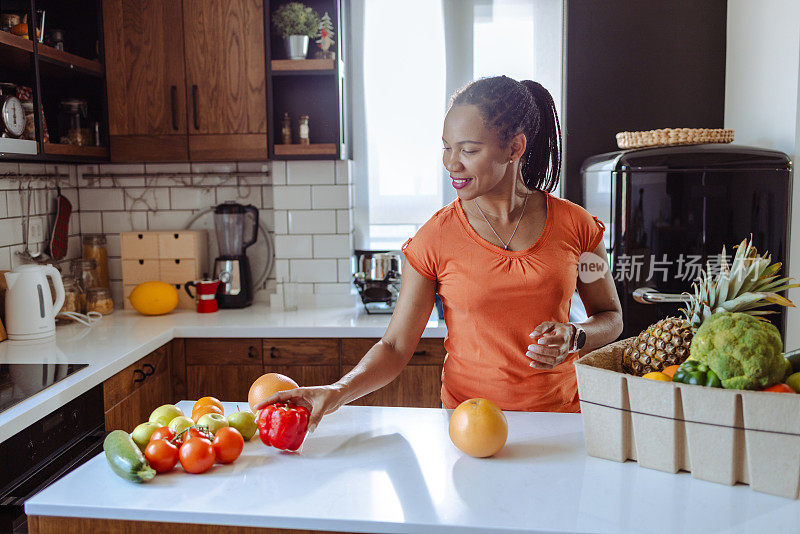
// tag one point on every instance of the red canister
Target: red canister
(206, 294)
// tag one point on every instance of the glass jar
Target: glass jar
(303, 130)
(73, 127)
(99, 300)
(85, 272)
(286, 129)
(72, 298)
(94, 248)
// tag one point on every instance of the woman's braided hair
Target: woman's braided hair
(509, 108)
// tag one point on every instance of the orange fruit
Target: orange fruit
(203, 401)
(266, 385)
(478, 428)
(200, 411)
(670, 371)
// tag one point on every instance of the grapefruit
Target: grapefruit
(478, 428)
(267, 385)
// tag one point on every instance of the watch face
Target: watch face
(13, 116)
(581, 340)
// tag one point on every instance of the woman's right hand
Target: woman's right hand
(320, 400)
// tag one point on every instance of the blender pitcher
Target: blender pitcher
(236, 227)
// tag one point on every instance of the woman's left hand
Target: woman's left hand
(551, 344)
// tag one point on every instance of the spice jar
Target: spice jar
(94, 248)
(286, 129)
(99, 300)
(304, 132)
(85, 272)
(72, 299)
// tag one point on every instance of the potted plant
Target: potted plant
(296, 23)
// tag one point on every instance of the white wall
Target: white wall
(762, 99)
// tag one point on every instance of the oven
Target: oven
(45, 451)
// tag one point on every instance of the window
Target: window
(406, 75)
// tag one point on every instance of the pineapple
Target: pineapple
(749, 283)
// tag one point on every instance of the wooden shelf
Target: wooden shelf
(71, 150)
(318, 149)
(15, 41)
(15, 52)
(70, 61)
(294, 65)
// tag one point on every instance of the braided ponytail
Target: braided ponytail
(510, 108)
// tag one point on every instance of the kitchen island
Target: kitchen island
(383, 469)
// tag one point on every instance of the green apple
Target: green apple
(794, 382)
(164, 414)
(179, 424)
(141, 434)
(245, 423)
(213, 421)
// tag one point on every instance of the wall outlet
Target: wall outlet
(35, 230)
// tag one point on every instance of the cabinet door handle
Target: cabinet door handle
(141, 376)
(251, 352)
(149, 369)
(194, 106)
(173, 95)
(420, 352)
(273, 352)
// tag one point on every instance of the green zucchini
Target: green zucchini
(125, 458)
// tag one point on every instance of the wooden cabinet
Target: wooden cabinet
(187, 80)
(222, 368)
(309, 362)
(145, 79)
(418, 385)
(133, 393)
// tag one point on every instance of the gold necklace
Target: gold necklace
(505, 245)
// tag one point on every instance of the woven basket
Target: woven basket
(673, 136)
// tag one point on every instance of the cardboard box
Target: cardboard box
(720, 435)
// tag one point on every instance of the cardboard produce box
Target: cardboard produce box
(720, 435)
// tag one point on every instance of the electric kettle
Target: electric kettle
(30, 310)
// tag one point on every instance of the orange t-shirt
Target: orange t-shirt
(494, 298)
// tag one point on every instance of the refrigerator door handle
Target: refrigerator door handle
(648, 295)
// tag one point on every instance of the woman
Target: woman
(503, 257)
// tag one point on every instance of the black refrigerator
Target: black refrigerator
(669, 210)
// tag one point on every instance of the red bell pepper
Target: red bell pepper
(283, 425)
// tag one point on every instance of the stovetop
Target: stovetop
(18, 381)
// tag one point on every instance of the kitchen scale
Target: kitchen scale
(18, 381)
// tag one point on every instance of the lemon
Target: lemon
(655, 375)
(154, 298)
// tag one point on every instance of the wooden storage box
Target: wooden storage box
(175, 257)
(720, 435)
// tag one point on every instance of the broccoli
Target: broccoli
(744, 352)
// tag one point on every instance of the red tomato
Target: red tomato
(780, 388)
(162, 433)
(196, 455)
(161, 454)
(193, 432)
(228, 444)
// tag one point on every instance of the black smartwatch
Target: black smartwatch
(578, 338)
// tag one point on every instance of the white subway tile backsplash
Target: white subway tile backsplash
(81, 170)
(330, 196)
(115, 268)
(281, 221)
(243, 194)
(112, 245)
(149, 199)
(343, 171)
(332, 289)
(281, 270)
(344, 221)
(101, 199)
(292, 197)
(310, 172)
(266, 217)
(170, 220)
(5, 258)
(71, 194)
(313, 270)
(117, 294)
(74, 247)
(278, 172)
(345, 268)
(115, 222)
(293, 246)
(192, 198)
(32, 168)
(3, 205)
(160, 168)
(8, 167)
(311, 222)
(253, 166)
(122, 168)
(14, 199)
(267, 197)
(332, 246)
(91, 222)
(10, 232)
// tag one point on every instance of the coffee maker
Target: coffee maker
(235, 232)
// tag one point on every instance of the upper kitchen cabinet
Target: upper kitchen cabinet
(52, 69)
(187, 80)
(145, 80)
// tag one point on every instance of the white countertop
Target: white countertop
(376, 469)
(124, 337)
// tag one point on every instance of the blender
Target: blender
(235, 232)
